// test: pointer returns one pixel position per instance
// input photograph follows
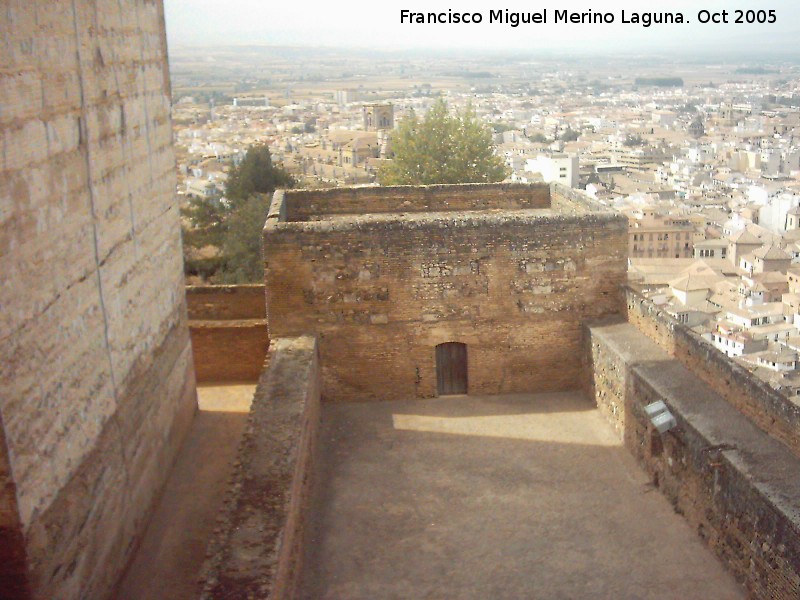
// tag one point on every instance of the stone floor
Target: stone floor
(519, 497)
(168, 560)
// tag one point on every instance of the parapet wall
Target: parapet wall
(98, 386)
(226, 302)
(229, 332)
(771, 410)
(382, 290)
(734, 484)
(310, 205)
(258, 552)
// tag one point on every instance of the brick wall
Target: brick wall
(382, 290)
(228, 351)
(229, 332)
(96, 360)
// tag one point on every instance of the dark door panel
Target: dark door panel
(451, 368)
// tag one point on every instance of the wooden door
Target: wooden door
(451, 368)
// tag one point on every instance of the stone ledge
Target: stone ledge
(734, 483)
(771, 410)
(449, 220)
(258, 549)
(417, 206)
(225, 324)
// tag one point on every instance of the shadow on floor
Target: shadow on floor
(169, 558)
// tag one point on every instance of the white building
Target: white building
(732, 341)
(562, 168)
(773, 215)
(753, 316)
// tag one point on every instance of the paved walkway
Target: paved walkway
(168, 561)
(517, 497)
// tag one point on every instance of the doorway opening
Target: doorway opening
(451, 368)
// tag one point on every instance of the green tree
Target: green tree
(206, 216)
(569, 135)
(442, 149)
(539, 138)
(233, 225)
(632, 140)
(255, 175)
(241, 249)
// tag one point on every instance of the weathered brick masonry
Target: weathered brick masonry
(732, 482)
(229, 332)
(383, 275)
(98, 386)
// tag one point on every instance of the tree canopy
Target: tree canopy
(632, 140)
(442, 148)
(570, 135)
(231, 226)
(255, 175)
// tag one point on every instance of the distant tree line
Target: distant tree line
(659, 81)
(205, 97)
(468, 74)
(754, 71)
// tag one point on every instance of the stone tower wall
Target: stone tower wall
(98, 384)
(381, 290)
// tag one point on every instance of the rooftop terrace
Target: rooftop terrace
(516, 496)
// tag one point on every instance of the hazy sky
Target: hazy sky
(376, 24)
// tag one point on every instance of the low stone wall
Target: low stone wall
(771, 410)
(258, 552)
(734, 484)
(226, 302)
(229, 331)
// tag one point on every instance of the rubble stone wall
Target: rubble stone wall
(382, 290)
